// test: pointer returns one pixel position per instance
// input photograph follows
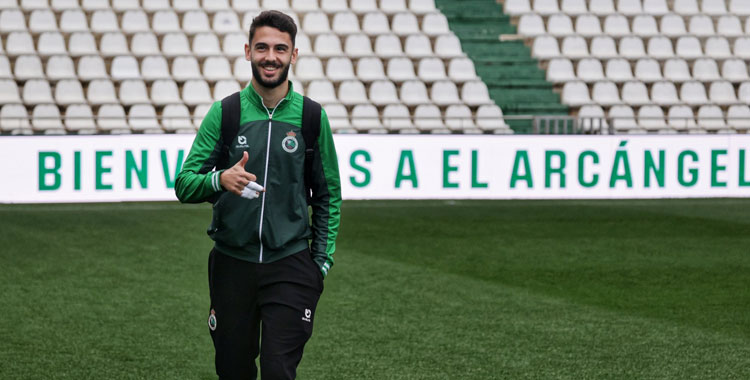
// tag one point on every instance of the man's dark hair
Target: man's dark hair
(274, 19)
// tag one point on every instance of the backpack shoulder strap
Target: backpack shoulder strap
(311, 111)
(230, 126)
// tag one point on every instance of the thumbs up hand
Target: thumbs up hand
(238, 181)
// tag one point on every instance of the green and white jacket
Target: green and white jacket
(276, 224)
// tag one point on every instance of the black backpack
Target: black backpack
(230, 125)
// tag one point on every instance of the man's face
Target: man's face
(270, 54)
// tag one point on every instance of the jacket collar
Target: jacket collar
(257, 101)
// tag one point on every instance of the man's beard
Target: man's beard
(270, 84)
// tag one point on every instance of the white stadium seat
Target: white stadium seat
(545, 47)
(635, 93)
(152, 6)
(629, 7)
(195, 92)
(475, 93)
(672, 25)
(69, 91)
(427, 117)
(305, 6)
(405, 23)
(340, 69)
(309, 68)
(14, 118)
(713, 8)
(225, 22)
(444, 93)
(651, 118)
(322, 91)
(489, 117)
(664, 93)
(681, 117)
(217, 68)
(458, 118)
(605, 93)
(693, 93)
(101, 91)
(175, 44)
(365, 117)
(370, 69)
(328, 45)
(392, 6)
(125, 5)
(431, 70)
(316, 23)
(352, 92)
(154, 67)
(400, 70)
(73, 20)
(604, 47)
(176, 118)
(194, 22)
(685, 7)
(46, 118)
(722, 93)
(82, 43)
(125, 67)
(232, 44)
(345, 23)
(421, 7)
(92, 5)
(206, 44)
(135, 21)
(165, 21)
(28, 67)
(388, 45)
(590, 70)
(689, 47)
(734, 70)
(705, 70)
(413, 93)
(133, 92)
(241, 69)
(546, 7)
(710, 117)
(660, 48)
(224, 88)
(616, 25)
(396, 117)
(142, 118)
(338, 117)
(655, 7)
(632, 48)
(165, 92)
(531, 25)
(112, 44)
(623, 119)
(144, 44)
(729, 26)
(717, 48)
(103, 21)
(5, 71)
(19, 43)
(375, 23)
(738, 117)
(701, 25)
(560, 70)
(358, 45)
(92, 67)
(739, 7)
(645, 26)
(182, 6)
(517, 7)
(383, 92)
(743, 93)
(185, 68)
(212, 6)
(588, 25)
(677, 70)
(592, 118)
(618, 70)
(574, 7)
(461, 70)
(741, 47)
(574, 47)
(42, 20)
(602, 7)
(418, 46)
(79, 118)
(37, 91)
(12, 20)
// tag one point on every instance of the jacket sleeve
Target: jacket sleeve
(198, 180)
(326, 198)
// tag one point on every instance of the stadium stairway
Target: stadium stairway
(515, 81)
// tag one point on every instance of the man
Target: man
(265, 276)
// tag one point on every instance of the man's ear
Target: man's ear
(248, 56)
(295, 53)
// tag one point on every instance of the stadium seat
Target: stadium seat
(135, 21)
(689, 47)
(104, 21)
(183, 6)
(358, 45)
(632, 48)
(345, 23)
(316, 23)
(63, 5)
(165, 21)
(196, 91)
(574, 47)
(660, 48)
(655, 7)
(133, 92)
(194, 22)
(592, 118)
(388, 45)
(602, 7)
(545, 47)
(739, 7)
(705, 70)
(444, 93)
(352, 92)
(664, 93)
(428, 118)
(328, 45)
(531, 25)
(396, 117)
(338, 117)
(309, 68)
(391, 7)
(713, 8)
(623, 119)
(101, 91)
(14, 118)
(91, 67)
(421, 7)
(175, 44)
(693, 93)
(710, 117)
(46, 118)
(5, 71)
(677, 70)
(199, 112)
(212, 6)
(616, 25)
(82, 43)
(517, 7)
(475, 93)
(375, 23)
(629, 7)
(722, 93)
(717, 48)
(701, 26)
(738, 117)
(645, 26)
(651, 118)
(232, 44)
(672, 25)
(340, 69)
(79, 119)
(206, 44)
(225, 22)
(152, 6)
(93, 5)
(729, 26)
(489, 117)
(574, 7)
(448, 46)
(405, 23)
(605, 93)
(185, 68)
(69, 91)
(546, 7)
(383, 92)
(111, 118)
(154, 67)
(365, 117)
(618, 70)
(734, 70)
(216, 68)
(743, 93)
(741, 47)
(73, 20)
(144, 44)
(560, 25)
(12, 20)
(590, 70)
(431, 70)
(112, 44)
(681, 117)
(413, 93)
(165, 91)
(242, 70)
(302, 44)
(461, 70)
(322, 91)
(634, 93)
(224, 88)
(588, 25)
(304, 6)
(458, 118)
(603, 47)
(30, 5)
(19, 43)
(176, 118)
(125, 5)
(42, 20)
(28, 67)
(560, 70)
(400, 70)
(418, 46)
(125, 67)
(37, 91)
(361, 7)
(370, 69)
(685, 7)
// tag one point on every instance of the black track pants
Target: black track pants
(272, 303)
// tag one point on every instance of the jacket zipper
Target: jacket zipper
(265, 177)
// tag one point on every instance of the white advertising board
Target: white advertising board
(39, 169)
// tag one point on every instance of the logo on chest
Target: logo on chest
(290, 143)
(241, 142)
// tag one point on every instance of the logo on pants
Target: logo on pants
(307, 316)
(212, 320)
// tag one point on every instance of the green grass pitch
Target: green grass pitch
(651, 289)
